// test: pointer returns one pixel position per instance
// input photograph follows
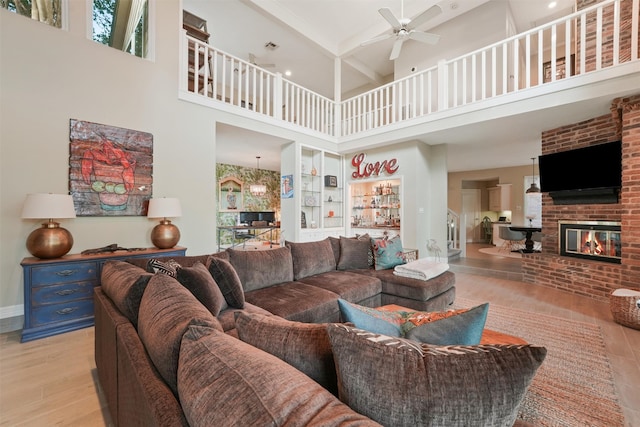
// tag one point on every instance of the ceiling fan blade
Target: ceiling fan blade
(376, 39)
(428, 14)
(395, 52)
(390, 18)
(424, 37)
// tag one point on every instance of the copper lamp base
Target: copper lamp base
(165, 235)
(50, 241)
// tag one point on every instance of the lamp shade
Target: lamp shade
(165, 207)
(48, 206)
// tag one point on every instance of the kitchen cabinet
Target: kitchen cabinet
(500, 198)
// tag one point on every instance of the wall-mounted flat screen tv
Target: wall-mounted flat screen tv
(594, 167)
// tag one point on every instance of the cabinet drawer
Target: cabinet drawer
(64, 273)
(57, 294)
(55, 313)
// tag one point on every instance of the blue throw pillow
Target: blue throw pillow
(451, 327)
(387, 253)
(377, 321)
(461, 329)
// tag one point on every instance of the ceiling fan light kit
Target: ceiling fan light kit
(405, 29)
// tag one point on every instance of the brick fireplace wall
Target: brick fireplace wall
(594, 279)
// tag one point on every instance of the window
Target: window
(47, 11)
(122, 24)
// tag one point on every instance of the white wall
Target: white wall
(50, 76)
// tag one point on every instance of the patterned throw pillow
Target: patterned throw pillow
(451, 327)
(387, 252)
(169, 267)
(411, 384)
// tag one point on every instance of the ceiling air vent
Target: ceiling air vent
(271, 46)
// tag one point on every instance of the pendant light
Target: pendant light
(258, 190)
(534, 187)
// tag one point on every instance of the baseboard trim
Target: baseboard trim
(11, 311)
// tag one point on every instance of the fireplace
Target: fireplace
(594, 240)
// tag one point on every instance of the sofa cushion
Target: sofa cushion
(387, 252)
(401, 382)
(305, 346)
(227, 317)
(259, 269)
(222, 380)
(354, 253)
(228, 281)
(166, 310)
(335, 248)
(297, 301)
(310, 258)
(124, 283)
(199, 281)
(350, 286)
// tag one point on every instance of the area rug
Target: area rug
(574, 386)
(497, 252)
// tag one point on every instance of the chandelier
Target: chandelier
(258, 190)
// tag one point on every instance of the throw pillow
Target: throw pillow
(451, 327)
(199, 281)
(387, 252)
(168, 267)
(166, 310)
(227, 279)
(311, 258)
(459, 327)
(354, 253)
(398, 382)
(224, 381)
(304, 346)
(379, 321)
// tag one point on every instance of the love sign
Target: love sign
(366, 169)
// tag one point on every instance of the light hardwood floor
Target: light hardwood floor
(53, 381)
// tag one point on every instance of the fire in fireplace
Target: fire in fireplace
(595, 240)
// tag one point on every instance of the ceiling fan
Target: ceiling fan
(405, 28)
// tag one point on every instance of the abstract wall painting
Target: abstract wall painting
(110, 169)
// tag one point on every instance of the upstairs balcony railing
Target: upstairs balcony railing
(602, 36)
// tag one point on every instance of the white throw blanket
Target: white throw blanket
(422, 269)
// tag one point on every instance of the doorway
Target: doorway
(471, 209)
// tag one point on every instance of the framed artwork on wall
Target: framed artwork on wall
(286, 191)
(230, 193)
(110, 169)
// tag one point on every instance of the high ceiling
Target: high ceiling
(313, 35)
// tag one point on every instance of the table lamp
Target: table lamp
(51, 240)
(164, 235)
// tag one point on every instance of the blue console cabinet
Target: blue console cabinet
(58, 293)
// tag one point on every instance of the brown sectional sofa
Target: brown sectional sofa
(144, 323)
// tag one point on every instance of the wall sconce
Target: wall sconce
(164, 235)
(534, 187)
(51, 240)
(258, 190)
